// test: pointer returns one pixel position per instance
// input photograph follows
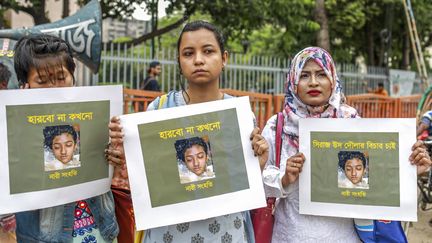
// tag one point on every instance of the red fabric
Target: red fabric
(262, 221)
(262, 218)
(124, 214)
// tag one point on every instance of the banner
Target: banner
(358, 168)
(52, 145)
(192, 162)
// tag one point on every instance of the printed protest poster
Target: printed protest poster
(192, 162)
(52, 145)
(358, 168)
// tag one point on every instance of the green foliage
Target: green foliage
(169, 40)
(110, 8)
(117, 9)
(8, 4)
(35, 8)
(368, 28)
(122, 39)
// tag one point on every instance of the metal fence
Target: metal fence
(128, 66)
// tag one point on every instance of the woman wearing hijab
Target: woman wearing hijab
(313, 90)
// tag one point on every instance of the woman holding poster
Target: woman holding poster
(313, 90)
(44, 61)
(202, 59)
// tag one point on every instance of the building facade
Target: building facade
(113, 28)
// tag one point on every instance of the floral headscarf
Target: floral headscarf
(296, 109)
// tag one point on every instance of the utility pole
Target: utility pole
(426, 99)
(154, 24)
(415, 44)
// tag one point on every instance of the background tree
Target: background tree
(320, 16)
(350, 28)
(373, 29)
(239, 18)
(117, 9)
(35, 8)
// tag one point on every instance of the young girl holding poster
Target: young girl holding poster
(202, 58)
(313, 90)
(45, 61)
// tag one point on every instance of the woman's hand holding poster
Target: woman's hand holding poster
(52, 144)
(192, 162)
(358, 168)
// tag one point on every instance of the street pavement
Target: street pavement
(421, 231)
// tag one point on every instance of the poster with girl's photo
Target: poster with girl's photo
(358, 168)
(353, 169)
(52, 145)
(194, 159)
(185, 163)
(61, 147)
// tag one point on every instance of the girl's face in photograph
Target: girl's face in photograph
(52, 77)
(63, 147)
(354, 170)
(200, 57)
(196, 159)
(314, 87)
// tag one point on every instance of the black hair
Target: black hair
(5, 74)
(153, 64)
(200, 24)
(41, 52)
(52, 131)
(381, 84)
(344, 156)
(182, 145)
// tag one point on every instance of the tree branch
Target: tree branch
(155, 33)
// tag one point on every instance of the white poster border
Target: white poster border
(147, 217)
(58, 196)
(407, 211)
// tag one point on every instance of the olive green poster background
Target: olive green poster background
(161, 164)
(26, 145)
(383, 169)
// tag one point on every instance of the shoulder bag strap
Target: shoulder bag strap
(145, 82)
(162, 101)
(278, 143)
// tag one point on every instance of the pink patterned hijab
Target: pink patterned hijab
(294, 106)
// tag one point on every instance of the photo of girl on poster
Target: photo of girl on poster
(353, 170)
(194, 159)
(61, 147)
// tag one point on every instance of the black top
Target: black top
(150, 83)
